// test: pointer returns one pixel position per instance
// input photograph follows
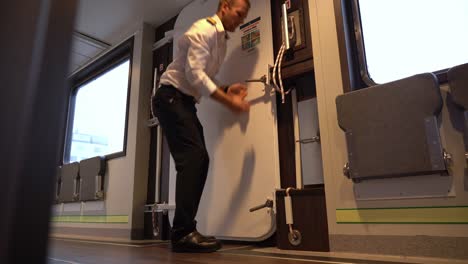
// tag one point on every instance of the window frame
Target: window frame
(103, 64)
(355, 43)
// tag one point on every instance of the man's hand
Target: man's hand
(238, 92)
(234, 99)
(237, 89)
(238, 104)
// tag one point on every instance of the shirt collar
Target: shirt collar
(219, 26)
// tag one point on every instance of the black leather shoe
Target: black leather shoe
(207, 237)
(196, 243)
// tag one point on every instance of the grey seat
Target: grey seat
(392, 130)
(92, 173)
(458, 82)
(69, 183)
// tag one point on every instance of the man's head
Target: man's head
(232, 13)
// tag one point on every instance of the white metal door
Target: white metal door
(244, 159)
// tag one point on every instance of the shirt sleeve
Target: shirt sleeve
(198, 56)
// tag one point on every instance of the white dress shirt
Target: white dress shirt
(201, 53)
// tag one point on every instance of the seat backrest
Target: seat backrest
(92, 173)
(392, 130)
(69, 187)
(458, 80)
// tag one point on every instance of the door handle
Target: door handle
(262, 79)
(267, 204)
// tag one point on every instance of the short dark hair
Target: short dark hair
(229, 2)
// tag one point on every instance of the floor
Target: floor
(64, 251)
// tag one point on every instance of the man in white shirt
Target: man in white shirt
(189, 77)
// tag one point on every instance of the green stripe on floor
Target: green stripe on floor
(102, 219)
(410, 215)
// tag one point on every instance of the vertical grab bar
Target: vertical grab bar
(284, 10)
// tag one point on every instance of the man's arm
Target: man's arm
(198, 56)
(234, 99)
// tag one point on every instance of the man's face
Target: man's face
(234, 14)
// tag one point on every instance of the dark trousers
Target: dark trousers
(184, 133)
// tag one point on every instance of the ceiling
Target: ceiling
(103, 23)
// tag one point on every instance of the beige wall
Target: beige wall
(139, 115)
(339, 190)
(126, 178)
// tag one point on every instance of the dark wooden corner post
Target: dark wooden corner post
(34, 51)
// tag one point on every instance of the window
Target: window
(97, 121)
(400, 38)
